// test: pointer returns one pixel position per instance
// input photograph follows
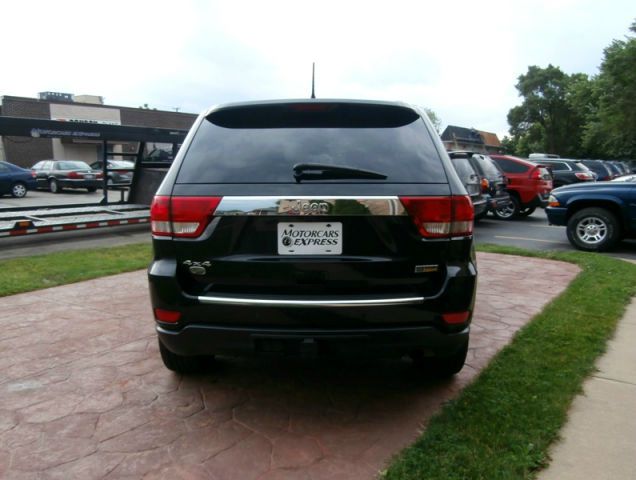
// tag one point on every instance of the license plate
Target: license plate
(310, 238)
(89, 176)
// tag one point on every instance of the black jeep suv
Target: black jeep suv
(565, 171)
(312, 227)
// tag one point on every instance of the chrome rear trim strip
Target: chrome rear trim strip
(307, 205)
(262, 302)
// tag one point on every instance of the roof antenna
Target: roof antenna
(313, 80)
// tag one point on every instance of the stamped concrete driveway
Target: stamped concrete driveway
(83, 393)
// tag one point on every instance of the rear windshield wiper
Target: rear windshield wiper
(319, 171)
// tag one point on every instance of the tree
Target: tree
(545, 121)
(611, 126)
(575, 115)
(509, 145)
(435, 120)
(583, 97)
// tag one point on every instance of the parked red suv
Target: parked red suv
(529, 186)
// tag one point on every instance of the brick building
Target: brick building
(26, 151)
(460, 138)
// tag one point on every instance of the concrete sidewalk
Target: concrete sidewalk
(599, 439)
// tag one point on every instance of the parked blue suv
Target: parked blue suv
(597, 215)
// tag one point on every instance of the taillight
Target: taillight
(536, 174)
(584, 176)
(167, 316)
(441, 217)
(74, 175)
(453, 318)
(485, 185)
(184, 217)
(190, 215)
(33, 174)
(160, 216)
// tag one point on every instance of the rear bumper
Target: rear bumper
(253, 324)
(207, 339)
(480, 206)
(499, 201)
(540, 201)
(80, 183)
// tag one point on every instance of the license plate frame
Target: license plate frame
(309, 238)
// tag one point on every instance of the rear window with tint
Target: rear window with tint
(261, 144)
(487, 164)
(613, 168)
(556, 166)
(510, 166)
(464, 169)
(581, 167)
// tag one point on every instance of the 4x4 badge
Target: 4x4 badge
(197, 268)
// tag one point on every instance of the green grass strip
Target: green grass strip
(500, 427)
(42, 271)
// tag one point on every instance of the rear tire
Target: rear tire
(18, 190)
(91, 189)
(442, 367)
(593, 230)
(181, 363)
(508, 211)
(54, 187)
(526, 212)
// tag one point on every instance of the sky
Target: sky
(459, 58)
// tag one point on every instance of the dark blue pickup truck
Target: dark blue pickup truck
(597, 214)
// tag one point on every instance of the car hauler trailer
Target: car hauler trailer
(133, 208)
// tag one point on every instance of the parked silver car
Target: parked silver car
(119, 172)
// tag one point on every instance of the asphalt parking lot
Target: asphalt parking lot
(84, 393)
(38, 198)
(533, 232)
